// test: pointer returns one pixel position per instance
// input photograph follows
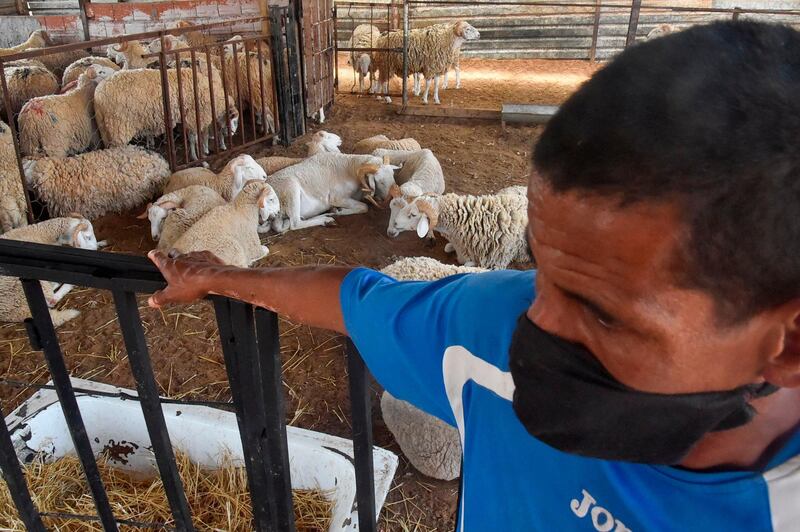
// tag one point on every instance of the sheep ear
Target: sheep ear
(423, 226)
(76, 233)
(121, 47)
(91, 73)
(143, 216)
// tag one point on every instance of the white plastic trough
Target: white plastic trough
(317, 460)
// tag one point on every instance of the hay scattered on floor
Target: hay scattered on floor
(218, 498)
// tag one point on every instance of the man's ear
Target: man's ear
(783, 368)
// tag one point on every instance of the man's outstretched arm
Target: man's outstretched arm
(308, 295)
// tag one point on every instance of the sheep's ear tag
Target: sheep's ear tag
(422, 227)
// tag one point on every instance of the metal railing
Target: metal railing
(251, 350)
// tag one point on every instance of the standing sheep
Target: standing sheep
(94, 183)
(27, 79)
(62, 124)
(364, 36)
(13, 207)
(80, 66)
(229, 231)
(379, 142)
(242, 70)
(487, 231)
(75, 232)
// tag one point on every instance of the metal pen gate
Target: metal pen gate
(317, 22)
(251, 349)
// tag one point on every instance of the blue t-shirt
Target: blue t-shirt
(443, 346)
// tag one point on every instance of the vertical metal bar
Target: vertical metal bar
(226, 93)
(336, 46)
(84, 19)
(269, 358)
(362, 439)
(181, 100)
(276, 112)
(22, 7)
(17, 487)
(298, 105)
(261, 82)
(736, 12)
(279, 62)
(66, 397)
(633, 23)
(165, 96)
(139, 358)
(405, 53)
(595, 31)
(238, 87)
(201, 153)
(250, 92)
(12, 125)
(211, 96)
(235, 321)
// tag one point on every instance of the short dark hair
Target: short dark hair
(708, 117)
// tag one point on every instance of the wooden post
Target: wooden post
(595, 31)
(22, 7)
(84, 19)
(633, 24)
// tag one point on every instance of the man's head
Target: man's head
(665, 212)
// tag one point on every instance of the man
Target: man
(647, 377)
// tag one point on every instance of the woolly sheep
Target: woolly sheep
(173, 214)
(75, 232)
(80, 66)
(323, 142)
(37, 39)
(378, 142)
(520, 190)
(276, 162)
(364, 36)
(325, 182)
(430, 52)
(229, 231)
(244, 67)
(58, 125)
(59, 61)
(27, 79)
(487, 231)
(227, 183)
(432, 446)
(420, 171)
(13, 207)
(94, 183)
(129, 55)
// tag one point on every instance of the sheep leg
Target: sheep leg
(417, 84)
(458, 75)
(59, 294)
(204, 137)
(444, 83)
(322, 219)
(360, 82)
(427, 89)
(436, 90)
(348, 206)
(193, 146)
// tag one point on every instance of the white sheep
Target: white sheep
(229, 231)
(73, 71)
(97, 182)
(333, 182)
(275, 163)
(27, 79)
(364, 36)
(37, 39)
(173, 214)
(382, 142)
(58, 125)
(129, 55)
(432, 446)
(72, 231)
(420, 171)
(245, 68)
(520, 190)
(323, 142)
(13, 207)
(227, 183)
(487, 231)
(660, 31)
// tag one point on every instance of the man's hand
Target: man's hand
(188, 276)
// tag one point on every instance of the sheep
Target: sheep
(328, 181)
(432, 446)
(72, 231)
(520, 190)
(420, 171)
(660, 31)
(364, 36)
(138, 93)
(97, 182)
(242, 70)
(59, 61)
(227, 183)
(323, 142)
(73, 71)
(487, 231)
(172, 214)
(378, 142)
(229, 231)
(129, 55)
(13, 207)
(276, 162)
(62, 124)
(25, 80)
(430, 52)
(37, 39)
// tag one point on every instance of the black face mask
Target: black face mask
(566, 399)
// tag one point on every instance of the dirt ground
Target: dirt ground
(477, 157)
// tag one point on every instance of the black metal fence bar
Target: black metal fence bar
(633, 23)
(17, 487)
(235, 321)
(142, 369)
(361, 406)
(275, 439)
(48, 341)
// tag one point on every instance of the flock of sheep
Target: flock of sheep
(432, 51)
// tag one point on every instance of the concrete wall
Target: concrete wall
(15, 29)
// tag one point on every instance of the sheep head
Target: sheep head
(244, 169)
(251, 192)
(376, 181)
(417, 214)
(269, 205)
(157, 212)
(324, 142)
(466, 31)
(80, 234)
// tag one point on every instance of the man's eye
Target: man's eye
(605, 321)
